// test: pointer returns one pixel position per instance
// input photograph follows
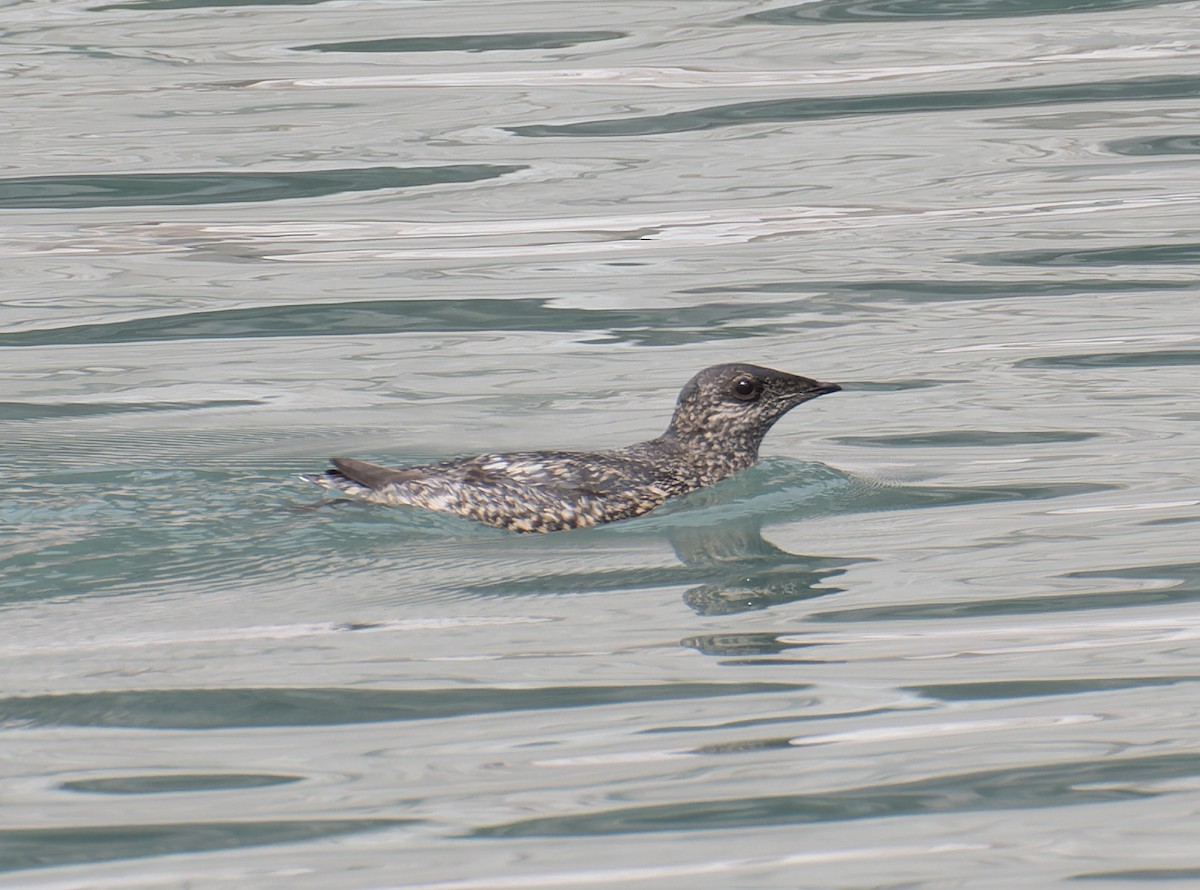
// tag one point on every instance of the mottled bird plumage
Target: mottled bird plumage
(720, 419)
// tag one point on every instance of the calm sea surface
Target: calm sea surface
(946, 635)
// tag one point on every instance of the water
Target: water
(943, 636)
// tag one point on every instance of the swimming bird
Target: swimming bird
(720, 419)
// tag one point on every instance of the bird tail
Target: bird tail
(335, 481)
(357, 477)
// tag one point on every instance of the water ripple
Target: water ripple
(1156, 145)
(1134, 254)
(153, 189)
(648, 326)
(201, 4)
(1152, 359)
(22, 848)
(1184, 589)
(919, 290)
(175, 783)
(1023, 787)
(472, 43)
(967, 439)
(262, 707)
(11, 411)
(837, 11)
(1143, 89)
(992, 690)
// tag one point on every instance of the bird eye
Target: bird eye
(747, 389)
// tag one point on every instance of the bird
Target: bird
(720, 419)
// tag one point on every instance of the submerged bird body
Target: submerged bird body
(720, 420)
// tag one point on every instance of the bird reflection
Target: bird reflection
(747, 572)
(730, 566)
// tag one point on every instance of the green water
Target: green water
(943, 635)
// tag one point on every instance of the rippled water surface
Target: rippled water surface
(944, 635)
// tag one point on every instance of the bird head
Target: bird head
(731, 407)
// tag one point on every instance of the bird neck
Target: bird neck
(712, 453)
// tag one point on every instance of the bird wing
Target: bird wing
(528, 491)
(595, 474)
